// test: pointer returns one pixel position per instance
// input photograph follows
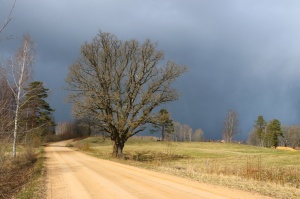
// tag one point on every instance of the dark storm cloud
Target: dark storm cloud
(242, 55)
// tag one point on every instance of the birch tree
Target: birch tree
(119, 84)
(182, 132)
(20, 68)
(197, 135)
(187, 133)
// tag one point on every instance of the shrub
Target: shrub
(30, 155)
(52, 138)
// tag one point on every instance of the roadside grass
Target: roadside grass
(35, 188)
(266, 171)
(21, 177)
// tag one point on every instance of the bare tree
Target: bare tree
(183, 132)
(120, 83)
(291, 136)
(7, 20)
(197, 135)
(177, 131)
(6, 98)
(231, 126)
(253, 138)
(187, 132)
(20, 70)
(284, 140)
(6, 106)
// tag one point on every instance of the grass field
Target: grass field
(267, 171)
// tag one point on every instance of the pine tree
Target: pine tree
(260, 126)
(37, 113)
(274, 130)
(163, 123)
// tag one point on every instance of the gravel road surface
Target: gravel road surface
(72, 174)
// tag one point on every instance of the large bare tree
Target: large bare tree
(19, 68)
(230, 126)
(118, 84)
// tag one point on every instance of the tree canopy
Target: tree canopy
(274, 131)
(37, 113)
(164, 124)
(230, 126)
(260, 125)
(118, 84)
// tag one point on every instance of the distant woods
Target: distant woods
(174, 131)
(273, 134)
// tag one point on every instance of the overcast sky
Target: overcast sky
(242, 55)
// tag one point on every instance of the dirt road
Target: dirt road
(72, 174)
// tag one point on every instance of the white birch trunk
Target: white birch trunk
(20, 72)
(18, 99)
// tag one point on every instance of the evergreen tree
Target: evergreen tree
(37, 113)
(260, 126)
(274, 131)
(163, 123)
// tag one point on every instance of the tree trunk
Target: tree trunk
(118, 149)
(18, 99)
(163, 133)
(14, 153)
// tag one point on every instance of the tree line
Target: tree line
(263, 134)
(174, 131)
(273, 134)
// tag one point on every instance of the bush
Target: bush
(52, 138)
(30, 155)
(32, 139)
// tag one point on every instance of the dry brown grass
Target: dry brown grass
(84, 146)
(13, 175)
(15, 172)
(285, 148)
